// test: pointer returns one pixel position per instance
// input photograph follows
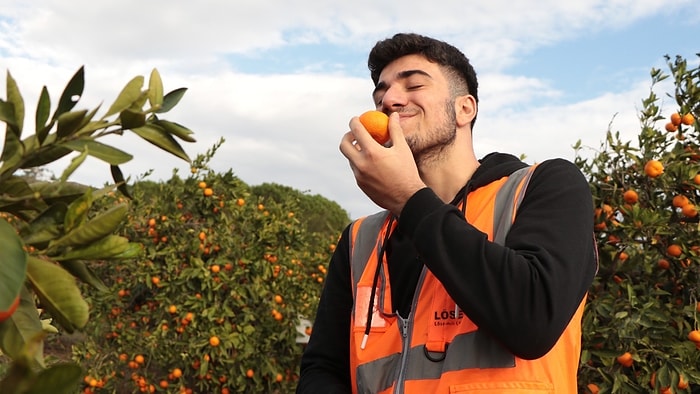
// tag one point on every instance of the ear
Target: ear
(465, 110)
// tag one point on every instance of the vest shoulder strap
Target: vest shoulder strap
(508, 200)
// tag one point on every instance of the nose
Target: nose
(393, 99)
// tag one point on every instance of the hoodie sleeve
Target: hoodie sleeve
(325, 364)
(524, 293)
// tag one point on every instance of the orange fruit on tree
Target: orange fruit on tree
(208, 192)
(215, 268)
(671, 127)
(625, 359)
(688, 119)
(674, 250)
(214, 341)
(202, 185)
(679, 200)
(172, 309)
(249, 373)
(139, 359)
(240, 202)
(630, 196)
(278, 299)
(694, 336)
(696, 179)
(279, 378)
(377, 124)
(653, 168)
(663, 264)
(689, 210)
(682, 383)
(675, 118)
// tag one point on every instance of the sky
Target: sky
(279, 80)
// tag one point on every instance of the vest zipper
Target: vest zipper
(406, 328)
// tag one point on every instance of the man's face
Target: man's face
(419, 91)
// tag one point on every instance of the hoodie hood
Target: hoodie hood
(493, 166)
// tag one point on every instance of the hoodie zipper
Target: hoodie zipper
(406, 328)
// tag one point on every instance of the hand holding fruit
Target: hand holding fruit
(387, 175)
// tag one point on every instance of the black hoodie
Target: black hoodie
(523, 294)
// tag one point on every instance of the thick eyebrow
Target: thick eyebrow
(402, 75)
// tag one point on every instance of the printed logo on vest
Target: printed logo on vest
(447, 317)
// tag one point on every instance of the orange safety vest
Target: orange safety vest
(438, 349)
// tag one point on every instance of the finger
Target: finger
(395, 130)
(348, 145)
(362, 136)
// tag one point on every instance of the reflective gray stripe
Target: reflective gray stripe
(364, 244)
(506, 204)
(471, 350)
(372, 377)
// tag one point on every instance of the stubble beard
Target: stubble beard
(428, 148)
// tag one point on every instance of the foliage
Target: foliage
(50, 231)
(319, 214)
(215, 302)
(645, 298)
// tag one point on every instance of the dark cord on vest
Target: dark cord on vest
(375, 281)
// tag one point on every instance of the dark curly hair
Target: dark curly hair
(456, 64)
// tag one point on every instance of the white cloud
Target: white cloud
(286, 127)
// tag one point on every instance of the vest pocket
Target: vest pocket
(520, 387)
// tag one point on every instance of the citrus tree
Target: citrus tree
(50, 231)
(640, 327)
(222, 297)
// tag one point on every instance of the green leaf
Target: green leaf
(69, 123)
(74, 164)
(43, 110)
(58, 293)
(53, 192)
(100, 226)
(162, 139)
(129, 94)
(80, 270)
(13, 261)
(7, 115)
(118, 178)
(103, 249)
(131, 119)
(176, 129)
(77, 211)
(155, 90)
(71, 94)
(12, 152)
(134, 250)
(47, 156)
(22, 332)
(45, 227)
(14, 97)
(171, 99)
(106, 153)
(60, 378)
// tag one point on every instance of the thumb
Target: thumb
(395, 131)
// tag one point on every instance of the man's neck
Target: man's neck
(449, 172)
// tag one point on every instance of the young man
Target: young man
(474, 278)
